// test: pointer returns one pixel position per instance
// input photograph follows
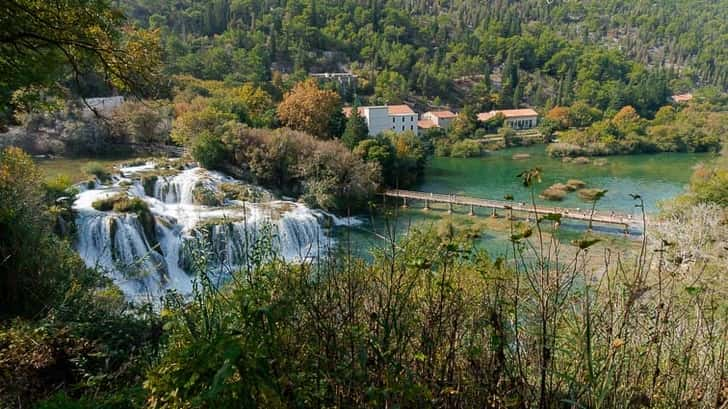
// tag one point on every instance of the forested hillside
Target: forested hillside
(488, 54)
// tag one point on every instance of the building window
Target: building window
(402, 119)
(393, 119)
(412, 127)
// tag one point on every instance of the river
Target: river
(655, 177)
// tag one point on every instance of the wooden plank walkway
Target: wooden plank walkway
(611, 218)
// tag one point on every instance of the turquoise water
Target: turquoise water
(655, 177)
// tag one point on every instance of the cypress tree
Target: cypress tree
(356, 129)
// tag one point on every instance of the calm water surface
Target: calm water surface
(656, 177)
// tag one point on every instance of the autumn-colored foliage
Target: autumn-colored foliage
(626, 114)
(560, 115)
(309, 109)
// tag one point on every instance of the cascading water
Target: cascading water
(150, 247)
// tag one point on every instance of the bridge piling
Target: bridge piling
(427, 205)
(472, 211)
(404, 203)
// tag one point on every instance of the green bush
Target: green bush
(58, 187)
(209, 151)
(467, 148)
(97, 170)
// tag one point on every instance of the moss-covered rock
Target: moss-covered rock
(148, 183)
(122, 203)
(575, 184)
(206, 196)
(590, 195)
(553, 193)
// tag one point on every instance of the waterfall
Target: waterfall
(185, 208)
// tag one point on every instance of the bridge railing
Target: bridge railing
(577, 214)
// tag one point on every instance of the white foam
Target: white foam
(117, 241)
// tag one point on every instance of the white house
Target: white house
(397, 118)
(436, 119)
(104, 104)
(515, 118)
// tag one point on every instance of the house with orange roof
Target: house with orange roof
(525, 118)
(436, 119)
(682, 98)
(397, 118)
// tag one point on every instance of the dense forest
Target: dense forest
(491, 54)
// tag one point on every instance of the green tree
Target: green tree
(41, 39)
(390, 87)
(356, 129)
(380, 151)
(208, 150)
(37, 269)
(465, 124)
(581, 114)
(198, 119)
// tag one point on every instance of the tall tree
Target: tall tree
(41, 41)
(310, 109)
(356, 129)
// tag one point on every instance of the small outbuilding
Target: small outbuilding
(525, 118)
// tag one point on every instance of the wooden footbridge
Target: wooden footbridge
(609, 218)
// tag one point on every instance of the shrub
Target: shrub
(555, 192)
(592, 194)
(466, 148)
(574, 184)
(57, 187)
(141, 122)
(442, 147)
(97, 170)
(558, 150)
(120, 203)
(205, 196)
(209, 150)
(105, 204)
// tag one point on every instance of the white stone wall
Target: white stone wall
(377, 120)
(402, 123)
(522, 123)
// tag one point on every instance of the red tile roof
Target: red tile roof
(400, 110)
(443, 114)
(347, 111)
(426, 124)
(508, 113)
(682, 97)
(393, 110)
